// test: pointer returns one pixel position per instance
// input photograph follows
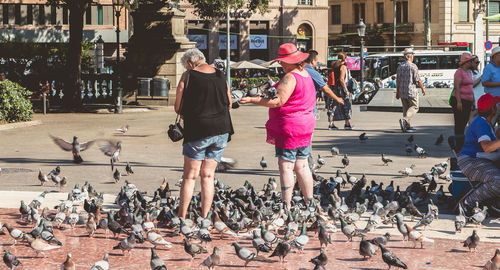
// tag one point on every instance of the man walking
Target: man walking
(491, 79)
(407, 80)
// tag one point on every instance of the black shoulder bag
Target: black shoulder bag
(175, 131)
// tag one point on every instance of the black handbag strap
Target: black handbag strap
(186, 81)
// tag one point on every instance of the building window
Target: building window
(463, 10)
(88, 15)
(29, 14)
(41, 14)
(53, 15)
(65, 15)
(99, 14)
(493, 8)
(335, 9)
(5, 14)
(402, 12)
(305, 2)
(380, 12)
(17, 14)
(359, 12)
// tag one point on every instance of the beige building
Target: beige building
(303, 22)
(450, 21)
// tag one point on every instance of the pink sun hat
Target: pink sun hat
(289, 54)
(465, 57)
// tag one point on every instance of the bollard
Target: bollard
(44, 103)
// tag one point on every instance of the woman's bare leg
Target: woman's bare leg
(207, 185)
(191, 172)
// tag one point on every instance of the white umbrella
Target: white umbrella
(269, 65)
(246, 65)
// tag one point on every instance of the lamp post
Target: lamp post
(99, 55)
(117, 7)
(361, 33)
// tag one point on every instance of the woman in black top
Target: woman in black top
(203, 99)
(339, 111)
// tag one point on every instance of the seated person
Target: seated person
(479, 157)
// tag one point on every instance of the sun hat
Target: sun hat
(289, 54)
(486, 102)
(408, 51)
(465, 57)
(495, 51)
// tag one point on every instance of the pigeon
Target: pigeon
(366, 248)
(38, 245)
(246, 255)
(56, 170)
(425, 221)
(16, 234)
(91, 225)
(321, 161)
(269, 237)
(117, 176)
(420, 151)
(123, 129)
(114, 226)
(75, 147)
(111, 149)
(410, 139)
(493, 263)
(281, 250)
(416, 236)
(407, 171)
(323, 236)
(58, 181)
(472, 241)
(363, 137)
(391, 259)
(301, 241)
(439, 140)
(156, 262)
(258, 243)
(68, 264)
(382, 239)
(345, 161)
(73, 218)
(401, 225)
(42, 177)
(129, 169)
(263, 163)
(126, 244)
(102, 264)
(192, 248)
(478, 217)
(349, 230)
(204, 234)
(321, 259)
(460, 220)
(386, 160)
(213, 260)
(335, 151)
(10, 260)
(413, 210)
(186, 230)
(408, 149)
(225, 164)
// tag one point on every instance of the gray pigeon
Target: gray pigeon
(193, 249)
(263, 163)
(111, 149)
(10, 260)
(246, 255)
(401, 226)
(301, 241)
(281, 250)
(478, 217)
(460, 220)
(102, 264)
(366, 248)
(383, 239)
(258, 243)
(156, 262)
(129, 169)
(472, 241)
(349, 230)
(391, 259)
(213, 260)
(335, 151)
(321, 259)
(323, 236)
(75, 147)
(126, 244)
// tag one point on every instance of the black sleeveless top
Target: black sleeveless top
(205, 106)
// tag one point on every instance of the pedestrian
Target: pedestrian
(337, 111)
(203, 99)
(2, 76)
(291, 121)
(480, 154)
(491, 78)
(462, 99)
(392, 82)
(407, 79)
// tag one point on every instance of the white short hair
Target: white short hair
(192, 55)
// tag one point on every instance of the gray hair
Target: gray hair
(192, 55)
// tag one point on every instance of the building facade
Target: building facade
(303, 22)
(34, 21)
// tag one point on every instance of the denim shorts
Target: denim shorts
(207, 148)
(293, 154)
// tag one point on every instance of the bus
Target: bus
(436, 68)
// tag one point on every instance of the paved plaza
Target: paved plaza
(23, 150)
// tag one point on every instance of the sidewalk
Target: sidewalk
(435, 101)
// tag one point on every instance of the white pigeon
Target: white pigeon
(157, 240)
(407, 171)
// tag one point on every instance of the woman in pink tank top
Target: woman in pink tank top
(291, 121)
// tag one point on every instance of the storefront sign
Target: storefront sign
(223, 42)
(201, 41)
(258, 42)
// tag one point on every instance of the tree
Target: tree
(216, 8)
(73, 84)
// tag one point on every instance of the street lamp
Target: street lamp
(117, 7)
(361, 33)
(99, 55)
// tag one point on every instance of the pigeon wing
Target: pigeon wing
(84, 146)
(66, 146)
(108, 147)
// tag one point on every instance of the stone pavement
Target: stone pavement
(435, 101)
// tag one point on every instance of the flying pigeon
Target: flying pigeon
(75, 147)
(111, 149)
(225, 164)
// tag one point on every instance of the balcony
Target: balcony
(400, 27)
(353, 28)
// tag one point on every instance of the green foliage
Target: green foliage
(208, 9)
(253, 82)
(15, 105)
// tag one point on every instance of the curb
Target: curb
(20, 125)
(400, 109)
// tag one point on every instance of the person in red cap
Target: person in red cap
(291, 121)
(480, 155)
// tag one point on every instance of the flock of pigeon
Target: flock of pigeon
(243, 212)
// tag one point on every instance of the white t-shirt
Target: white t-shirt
(479, 89)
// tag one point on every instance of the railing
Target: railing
(385, 27)
(401, 27)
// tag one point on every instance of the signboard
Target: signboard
(223, 41)
(201, 41)
(488, 45)
(258, 42)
